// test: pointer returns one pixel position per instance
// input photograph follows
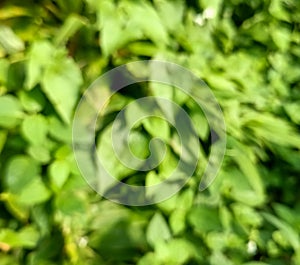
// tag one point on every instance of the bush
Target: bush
(248, 54)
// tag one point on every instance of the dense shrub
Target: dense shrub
(247, 52)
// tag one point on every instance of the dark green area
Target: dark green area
(248, 52)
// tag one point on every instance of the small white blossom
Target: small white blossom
(82, 242)
(251, 247)
(209, 13)
(199, 20)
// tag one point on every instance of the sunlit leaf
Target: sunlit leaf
(157, 230)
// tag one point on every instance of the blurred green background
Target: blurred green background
(248, 52)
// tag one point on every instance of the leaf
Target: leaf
(69, 203)
(59, 131)
(59, 172)
(4, 66)
(218, 257)
(171, 13)
(277, 10)
(34, 193)
(293, 110)
(10, 111)
(287, 214)
(250, 171)
(281, 37)
(290, 234)
(32, 101)
(12, 11)
(71, 25)
(20, 172)
(200, 124)
(237, 186)
(149, 259)
(169, 163)
(246, 215)
(111, 33)
(61, 82)
(204, 219)
(3, 137)
(160, 72)
(272, 129)
(157, 127)
(145, 17)
(40, 153)
(39, 56)
(176, 251)
(17, 209)
(216, 241)
(34, 129)
(185, 200)
(10, 41)
(177, 221)
(137, 145)
(27, 237)
(157, 230)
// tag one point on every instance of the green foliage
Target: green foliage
(247, 52)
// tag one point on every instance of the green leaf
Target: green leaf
(39, 56)
(71, 25)
(59, 172)
(250, 171)
(246, 215)
(69, 203)
(160, 89)
(145, 17)
(10, 41)
(157, 230)
(40, 153)
(272, 129)
(10, 111)
(20, 172)
(61, 82)
(176, 251)
(59, 130)
(277, 10)
(291, 216)
(171, 13)
(289, 232)
(111, 32)
(33, 100)
(3, 137)
(200, 124)
(137, 145)
(35, 129)
(237, 186)
(204, 219)
(157, 127)
(281, 37)
(169, 163)
(185, 199)
(219, 258)
(27, 237)
(293, 110)
(216, 241)
(177, 221)
(17, 209)
(149, 259)
(34, 193)
(4, 66)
